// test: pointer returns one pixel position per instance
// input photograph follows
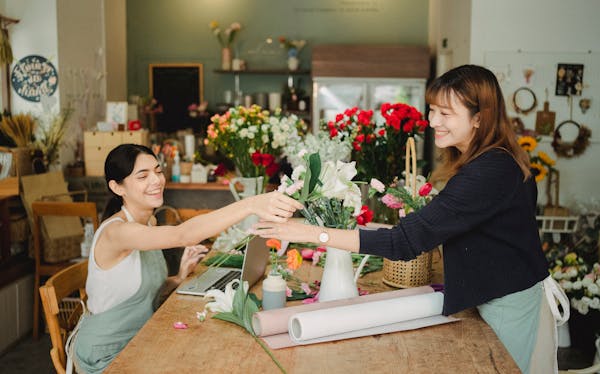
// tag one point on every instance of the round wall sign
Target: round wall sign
(33, 77)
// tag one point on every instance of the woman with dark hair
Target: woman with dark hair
(127, 270)
(484, 218)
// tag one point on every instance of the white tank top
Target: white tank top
(107, 288)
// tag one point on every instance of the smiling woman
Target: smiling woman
(127, 273)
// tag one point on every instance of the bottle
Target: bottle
(273, 289)
(176, 169)
(88, 238)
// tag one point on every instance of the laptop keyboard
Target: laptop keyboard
(221, 283)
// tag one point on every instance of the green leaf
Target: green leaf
(314, 162)
(233, 260)
(239, 299)
(229, 317)
(249, 309)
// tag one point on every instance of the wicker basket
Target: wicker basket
(417, 272)
(407, 274)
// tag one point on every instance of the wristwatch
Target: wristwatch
(323, 237)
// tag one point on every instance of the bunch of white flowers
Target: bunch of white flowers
(329, 149)
(581, 285)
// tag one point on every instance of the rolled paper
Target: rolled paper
(339, 320)
(272, 322)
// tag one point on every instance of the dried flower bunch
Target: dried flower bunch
(19, 128)
(226, 37)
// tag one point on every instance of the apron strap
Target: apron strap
(70, 344)
(555, 293)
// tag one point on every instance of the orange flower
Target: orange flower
(294, 259)
(274, 243)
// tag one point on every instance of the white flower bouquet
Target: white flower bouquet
(580, 282)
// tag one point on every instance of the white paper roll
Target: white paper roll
(190, 146)
(339, 320)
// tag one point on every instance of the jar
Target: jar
(273, 289)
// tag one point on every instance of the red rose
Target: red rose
(408, 126)
(360, 138)
(370, 138)
(267, 159)
(339, 117)
(365, 216)
(422, 124)
(333, 132)
(381, 132)
(220, 170)
(356, 146)
(272, 169)
(425, 189)
(256, 158)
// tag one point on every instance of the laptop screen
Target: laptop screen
(255, 260)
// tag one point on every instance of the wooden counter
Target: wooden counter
(216, 346)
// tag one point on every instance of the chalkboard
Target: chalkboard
(175, 87)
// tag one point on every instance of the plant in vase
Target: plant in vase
(331, 199)
(253, 139)
(293, 48)
(581, 283)
(225, 39)
(399, 197)
(378, 146)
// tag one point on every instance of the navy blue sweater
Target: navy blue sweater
(485, 219)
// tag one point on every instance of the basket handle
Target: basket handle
(411, 161)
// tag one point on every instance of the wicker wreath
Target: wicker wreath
(574, 148)
(520, 110)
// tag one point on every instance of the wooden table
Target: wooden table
(467, 346)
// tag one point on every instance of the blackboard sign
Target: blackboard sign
(175, 87)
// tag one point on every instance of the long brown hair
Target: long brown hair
(478, 90)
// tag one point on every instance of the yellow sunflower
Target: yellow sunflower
(546, 159)
(538, 171)
(528, 143)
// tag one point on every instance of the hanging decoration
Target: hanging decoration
(520, 101)
(6, 55)
(33, 77)
(576, 147)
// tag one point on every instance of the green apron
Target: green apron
(102, 336)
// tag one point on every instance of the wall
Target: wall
(511, 35)
(177, 31)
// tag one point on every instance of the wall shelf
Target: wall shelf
(264, 72)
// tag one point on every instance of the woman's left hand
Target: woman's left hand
(189, 259)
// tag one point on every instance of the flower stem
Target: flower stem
(266, 349)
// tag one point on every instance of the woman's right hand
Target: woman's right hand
(273, 206)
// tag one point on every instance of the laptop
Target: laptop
(253, 268)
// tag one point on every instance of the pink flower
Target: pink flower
(307, 253)
(288, 291)
(401, 213)
(425, 189)
(316, 256)
(305, 288)
(377, 185)
(391, 202)
(297, 186)
(310, 300)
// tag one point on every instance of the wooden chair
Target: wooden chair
(62, 315)
(53, 208)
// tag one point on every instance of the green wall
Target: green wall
(170, 31)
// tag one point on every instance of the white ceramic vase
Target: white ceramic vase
(252, 186)
(339, 277)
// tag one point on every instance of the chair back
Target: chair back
(62, 307)
(41, 209)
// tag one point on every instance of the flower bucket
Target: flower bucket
(583, 329)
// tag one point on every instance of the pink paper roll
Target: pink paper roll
(272, 322)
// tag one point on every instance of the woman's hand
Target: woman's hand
(189, 260)
(273, 206)
(292, 231)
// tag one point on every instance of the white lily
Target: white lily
(223, 301)
(337, 178)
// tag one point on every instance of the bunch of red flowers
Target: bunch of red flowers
(266, 161)
(378, 147)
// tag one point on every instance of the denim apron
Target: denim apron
(100, 337)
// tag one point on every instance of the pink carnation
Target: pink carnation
(391, 202)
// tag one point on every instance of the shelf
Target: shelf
(264, 72)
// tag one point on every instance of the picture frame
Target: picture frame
(569, 79)
(175, 86)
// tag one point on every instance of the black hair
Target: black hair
(118, 166)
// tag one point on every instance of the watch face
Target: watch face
(323, 237)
